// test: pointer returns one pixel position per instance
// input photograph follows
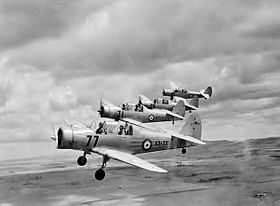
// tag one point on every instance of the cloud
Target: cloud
(62, 99)
(137, 37)
(58, 59)
(25, 22)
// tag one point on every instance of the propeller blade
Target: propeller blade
(53, 138)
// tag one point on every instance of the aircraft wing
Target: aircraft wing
(128, 158)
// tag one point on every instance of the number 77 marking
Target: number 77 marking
(90, 138)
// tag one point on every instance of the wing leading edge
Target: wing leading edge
(128, 159)
(169, 132)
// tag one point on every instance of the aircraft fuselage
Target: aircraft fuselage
(186, 94)
(144, 116)
(140, 142)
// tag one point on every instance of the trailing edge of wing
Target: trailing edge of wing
(128, 158)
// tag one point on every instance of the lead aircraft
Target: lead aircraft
(122, 140)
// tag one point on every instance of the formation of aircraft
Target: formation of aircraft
(122, 141)
(128, 135)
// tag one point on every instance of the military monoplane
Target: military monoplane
(121, 141)
(138, 112)
(164, 103)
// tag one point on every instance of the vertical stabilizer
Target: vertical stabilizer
(195, 101)
(208, 92)
(192, 126)
(179, 108)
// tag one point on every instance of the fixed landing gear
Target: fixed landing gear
(100, 173)
(82, 160)
(184, 151)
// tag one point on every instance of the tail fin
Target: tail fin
(207, 93)
(179, 108)
(144, 100)
(192, 126)
(173, 86)
(195, 101)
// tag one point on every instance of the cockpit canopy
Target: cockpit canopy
(161, 101)
(114, 128)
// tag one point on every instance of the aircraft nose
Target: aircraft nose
(167, 92)
(59, 137)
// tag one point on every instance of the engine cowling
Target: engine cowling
(75, 138)
(167, 92)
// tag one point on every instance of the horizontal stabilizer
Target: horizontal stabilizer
(174, 115)
(187, 105)
(206, 93)
(128, 159)
(184, 137)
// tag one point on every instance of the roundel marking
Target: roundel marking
(147, 144)
(151, 117)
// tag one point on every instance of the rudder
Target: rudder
(179, 108)
(195, 102)
(208, 91)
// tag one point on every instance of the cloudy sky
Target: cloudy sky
(57, 58)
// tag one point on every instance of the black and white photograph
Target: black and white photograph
(140, 103)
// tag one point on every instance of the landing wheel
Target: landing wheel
(82, 160)
(99, 174)
(184, 151)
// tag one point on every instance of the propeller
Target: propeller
(101, 110)
(54, 135)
